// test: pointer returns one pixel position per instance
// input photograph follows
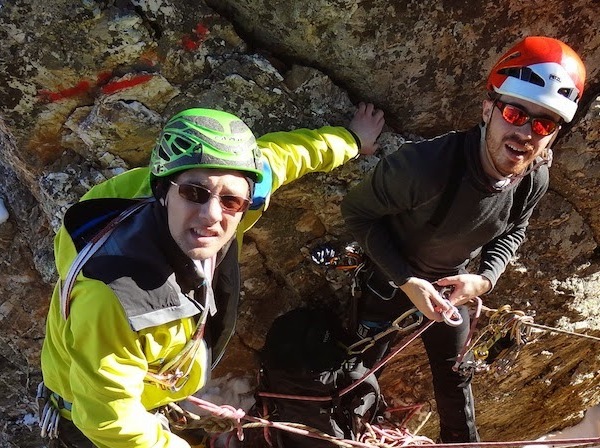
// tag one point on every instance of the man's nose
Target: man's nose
(213, 208)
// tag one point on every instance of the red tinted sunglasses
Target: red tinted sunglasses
(518, 117)
(201, 195)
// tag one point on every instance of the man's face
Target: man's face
(513, 148)
(201, 230)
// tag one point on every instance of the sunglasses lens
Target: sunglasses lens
(518, 117)
(514, 115)
(194, 193)
(234, 203)
(542, 126)
(201, 195)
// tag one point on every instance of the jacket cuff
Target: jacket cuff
(358, 143)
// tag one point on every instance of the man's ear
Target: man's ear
(161, 188)
(553, 139)
(487, 108)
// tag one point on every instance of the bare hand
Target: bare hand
(426, 298)
(367, 125)
(465, 287)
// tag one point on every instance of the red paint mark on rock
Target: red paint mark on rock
(191, 42)
(81, 88)
(103, 77)
(123, 84)
(201, 31)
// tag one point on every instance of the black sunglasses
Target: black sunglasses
(201, 195)
(518, 117)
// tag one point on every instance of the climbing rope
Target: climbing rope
(381, 435)
(498, 343)
(558, 330)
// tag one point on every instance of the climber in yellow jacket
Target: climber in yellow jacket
(148, 287)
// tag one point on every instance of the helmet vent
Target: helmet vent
(181, 146)
(524, 74)
(161, 151)
(571, 94)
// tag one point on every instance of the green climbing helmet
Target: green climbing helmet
(205, 138)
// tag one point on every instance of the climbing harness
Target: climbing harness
(349, 259)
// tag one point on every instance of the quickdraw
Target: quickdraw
(48, 413)
(499, 343)
(406, 322)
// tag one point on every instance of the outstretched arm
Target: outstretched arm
(367, 125)
(292, 154)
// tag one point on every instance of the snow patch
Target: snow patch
(588, 428)
(3, 212)
(237, 392)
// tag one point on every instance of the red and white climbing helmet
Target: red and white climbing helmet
(542, 70)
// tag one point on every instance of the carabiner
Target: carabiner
(452, 317)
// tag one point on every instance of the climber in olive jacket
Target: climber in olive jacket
(137, 323)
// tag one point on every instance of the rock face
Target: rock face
(85, 86)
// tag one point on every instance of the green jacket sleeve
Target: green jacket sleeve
(293, 154)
